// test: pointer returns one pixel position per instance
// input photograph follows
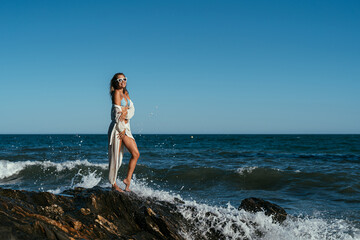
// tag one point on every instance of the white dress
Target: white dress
(115, 150)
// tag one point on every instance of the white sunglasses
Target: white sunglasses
(121, 79)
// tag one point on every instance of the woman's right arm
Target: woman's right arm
(117, 98)
(116, 101)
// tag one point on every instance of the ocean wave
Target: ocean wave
(9, 168)
(46, 173)
(250, 169)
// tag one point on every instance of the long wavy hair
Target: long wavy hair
(114, 84)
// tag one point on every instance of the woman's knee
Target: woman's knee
(136, 154)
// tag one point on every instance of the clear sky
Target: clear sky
(192, 66)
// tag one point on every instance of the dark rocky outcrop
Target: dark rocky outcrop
(257, 204)
(85, 214)
(96, 213)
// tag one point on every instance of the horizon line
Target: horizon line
(184, 133)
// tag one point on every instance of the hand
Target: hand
(125, 110)
(123, 114)
(122, 117)
(120, 135)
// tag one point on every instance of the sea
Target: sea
(315, 178)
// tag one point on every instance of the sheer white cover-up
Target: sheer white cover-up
(116, 151)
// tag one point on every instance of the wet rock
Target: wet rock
(85, 211)
(257, 204)
(100, 213)
(54, 211)
(85, 214)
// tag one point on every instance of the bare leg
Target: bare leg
(130, 144)
(115, 186)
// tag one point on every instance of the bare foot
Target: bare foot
(127, 184)
(116, 188)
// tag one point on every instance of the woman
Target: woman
(119, 133)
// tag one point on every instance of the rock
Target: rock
(257, 204)
(85, 214)
(53, 211)
(85, 211)
(100, 213)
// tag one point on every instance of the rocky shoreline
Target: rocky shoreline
(99, 213)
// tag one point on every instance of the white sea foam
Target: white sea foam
(80, 180)
(313, 228)
(86, 181)
(57, 190)
(247, 169)
(141, 188)
(8, 168)
(250, 169)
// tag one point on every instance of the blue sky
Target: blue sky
(192, 66)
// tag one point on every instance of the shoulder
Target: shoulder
(117, 94)
(116, 97)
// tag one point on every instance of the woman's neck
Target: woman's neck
(121, 90)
